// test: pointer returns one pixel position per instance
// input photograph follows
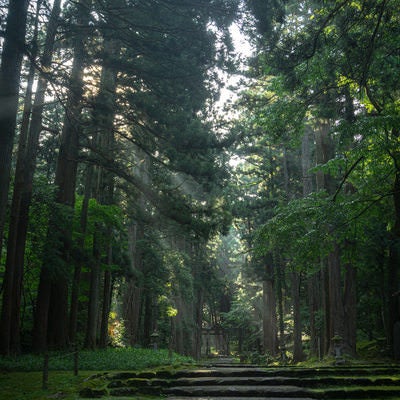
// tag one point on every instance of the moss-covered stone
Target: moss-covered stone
(166, 374)
(94, 387)
(92, 393)
(124, 391)
(116, 384)
(138, 382)
(121, 375)
(147, 374)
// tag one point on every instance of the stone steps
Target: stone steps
(238, 391)
(229, 382)
(288, 372)
(252, 382)
(292, 381)
(236, 398)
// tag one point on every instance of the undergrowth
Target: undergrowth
(98, 360)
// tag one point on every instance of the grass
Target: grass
(21, 377)
(28, 385)
(99, 360)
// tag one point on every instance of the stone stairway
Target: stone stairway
(223, 382)
(234, 381)
(227, 382)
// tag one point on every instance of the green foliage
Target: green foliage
(327, 59)
(180, 282)
(100, 360)
(267, 13)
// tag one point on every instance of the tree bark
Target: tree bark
(10, 72)
(314, 305)
(65, 181)
(107, 297)
(25, 167)
(148, 325)
(306, 161)
(39, 334)
(270, 330)
(197, 322)
(336, 327)
(198, 266)
(313, 284)
(76, 281)
(280, 278)
(350, 309)
(394, 274)
(12, 282)
(334, 300)
(298, 354)
(103, 120)
(133, 293)
(93, 306)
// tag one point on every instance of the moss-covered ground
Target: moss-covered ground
(21, 378)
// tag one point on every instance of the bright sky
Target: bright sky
(243, 49)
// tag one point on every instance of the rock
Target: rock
(93, 393)
(124, 391)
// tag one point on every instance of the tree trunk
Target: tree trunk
(26, 164)
(65, 181)
(333, 306)
(350, 309)
(324, 152)
(107, 297)
(306, 161)
(10, 72)
(280, 277)
(58, 315)
(393, 275)
(147, 318)
(76, 281)
(12, 282)
(131, 310)
(179, 340)
(336, 325)
(93, 306)
(39, 339)
(298, 354)
(325, 338)
(197, 320)
(314, 305)
(198, 265)
(313, 284)
(103, 119)
(132, 292)
(270, 330)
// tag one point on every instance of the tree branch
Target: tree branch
(346, 175)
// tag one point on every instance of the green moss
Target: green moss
(357, 392)
(93, 393)
(28, 385)
(94, 387)
(137, 382)
(100, 360)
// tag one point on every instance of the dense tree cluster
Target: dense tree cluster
(320, 125)
(123, 218)
(116, 169)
